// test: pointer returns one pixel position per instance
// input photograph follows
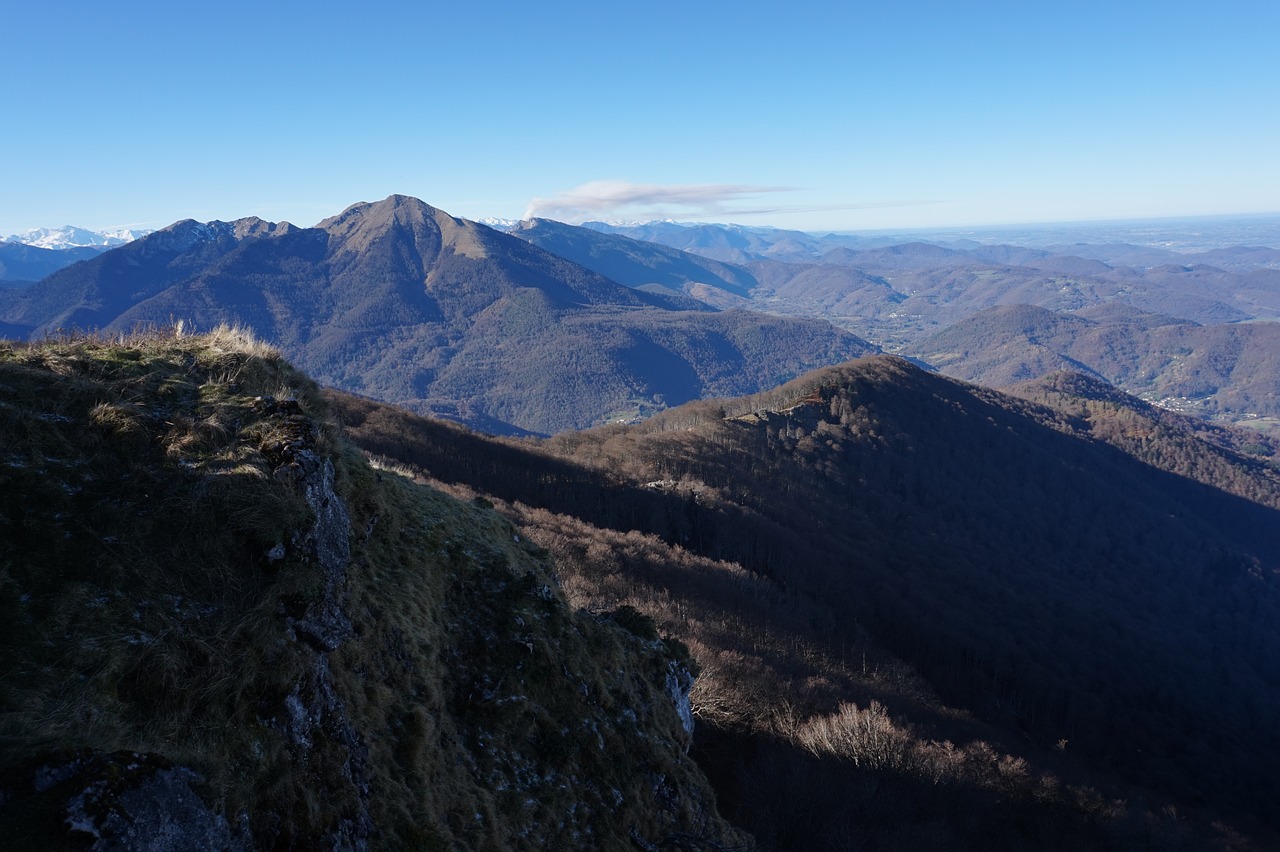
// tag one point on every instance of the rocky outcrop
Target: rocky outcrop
(123, 801)
(322, 624)
(313, 710)
(679, 683)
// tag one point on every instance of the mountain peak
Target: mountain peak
(399, 208)
(185, 233)
(431, 229)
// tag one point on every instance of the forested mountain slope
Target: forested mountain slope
(1105, 617)
(1241, 462)
(21, 264)
(637, 263)
(1226, 371)
(1195, 330)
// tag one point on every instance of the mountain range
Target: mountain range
(1193, 330)
(641, 264)
(1226, 371)
(733, 243)
(403, 302)
(70, 236)
(938, 302)
(22, 265)
(27, 257)
(922, 613)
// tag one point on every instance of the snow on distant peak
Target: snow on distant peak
(125, 235)
(506, 225)
(640, 223)
(70, 236)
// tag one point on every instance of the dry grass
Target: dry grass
(140, 610)
(764, 677)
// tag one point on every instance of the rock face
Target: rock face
(242, 636)
(313, 710)
(321, 624)
(679, 687)
(126, 801)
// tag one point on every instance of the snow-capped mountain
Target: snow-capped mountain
(69, 236)
(498, 224)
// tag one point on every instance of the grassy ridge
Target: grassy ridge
(165, 603)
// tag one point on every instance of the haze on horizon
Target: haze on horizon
(834, 117)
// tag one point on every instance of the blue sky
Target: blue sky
(822, 116)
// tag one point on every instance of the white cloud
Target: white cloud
(613, 199)
(616, 199)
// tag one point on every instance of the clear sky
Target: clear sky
(810, 115)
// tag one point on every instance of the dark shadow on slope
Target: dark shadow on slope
(1051, 583)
